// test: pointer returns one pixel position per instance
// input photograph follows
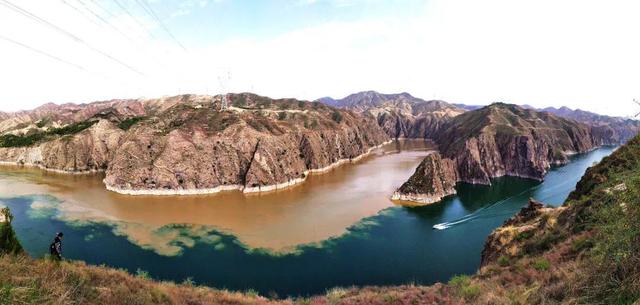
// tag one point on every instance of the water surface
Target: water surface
(336, 229)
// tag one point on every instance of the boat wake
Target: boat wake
(476, 214)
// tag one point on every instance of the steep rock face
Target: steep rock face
(434, 179)
(89, 150)
(400, 115)
(186, 144)
(504, 239)
(606, 130)
(503, 139)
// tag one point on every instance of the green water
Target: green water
(396, 246)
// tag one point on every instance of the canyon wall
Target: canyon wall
(188, 145)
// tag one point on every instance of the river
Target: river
(335, 229)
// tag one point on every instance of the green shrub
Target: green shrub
(541, 264)
(9, 140)
(503, 261)
(459, 280)
(252, 293)
(470, 292)
(188, 282)
(464, 287)
(9, 243)
(126, 124)
(336, 116)
(524, 235)
(282, 115)
(142, 274)
(544, 242)
(71, 128)
(580, 244)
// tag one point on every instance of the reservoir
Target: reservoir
(335, 229)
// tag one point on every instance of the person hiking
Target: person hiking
(56, 247)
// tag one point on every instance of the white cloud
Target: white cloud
(582, 54)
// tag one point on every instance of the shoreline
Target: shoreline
(418, 199)
(52, 170)
(242, 188)
(421, 200)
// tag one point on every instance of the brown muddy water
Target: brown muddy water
(324, 206)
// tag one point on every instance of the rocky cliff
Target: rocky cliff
(400, 115)
(186, 144)
(434, 179)
(606, 130)
(503, 139)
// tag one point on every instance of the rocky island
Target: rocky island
(433, 180)
(187, 144)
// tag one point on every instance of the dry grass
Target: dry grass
(27, 281)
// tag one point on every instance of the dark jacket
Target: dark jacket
(56, 247)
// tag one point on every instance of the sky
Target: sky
(576, 53)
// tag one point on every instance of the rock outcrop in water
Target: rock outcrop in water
(400, 115)
(185, 144)
(434, 179)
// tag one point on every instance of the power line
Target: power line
(96, 3)
(66, 33)
(54, 57)
(145, 6)
(115, 28)
(124, 9)
(43, 53)
(79, 11)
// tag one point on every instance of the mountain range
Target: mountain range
(189, 144)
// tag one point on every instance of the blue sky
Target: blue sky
(209, 22)
(576, 53)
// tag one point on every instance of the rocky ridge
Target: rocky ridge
(506, 140)
(606, 130)
(400, 115)
(186, 145)
(503, 139)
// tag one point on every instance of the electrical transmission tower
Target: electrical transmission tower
(223, 80)
(635, 101)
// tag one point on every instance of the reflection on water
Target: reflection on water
(320, 208)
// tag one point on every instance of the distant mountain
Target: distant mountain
(611, 130)
(468, 107)
(475, 107)
(401, 115)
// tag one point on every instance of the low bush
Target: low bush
(336, 116)
(503, 261)
(10, 140)
(541, 264)
(524, 235)
(9, 243)
(544, 242)
(126, 124)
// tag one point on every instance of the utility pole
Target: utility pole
(223, 80)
